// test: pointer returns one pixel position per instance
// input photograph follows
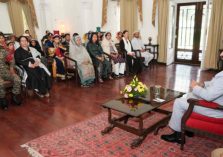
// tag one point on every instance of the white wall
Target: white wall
(84, 15)
(147, 29)
(68, 16)
(5, 24)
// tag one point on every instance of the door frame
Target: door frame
(196, 35)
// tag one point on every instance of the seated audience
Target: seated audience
(137, 44)
(7, 73)
(45, 37)
(35, 44)
(118, 37)
(66, 41)
(10, 51)
(133, 62)
(59, 57)
(16, 43)
(100, 37)
(209, 91)
(38, 78)
(49, 41)
(2, 41)
(118, 60)
(98, 58)
(27, 34)
(85, 67)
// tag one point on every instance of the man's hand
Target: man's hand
(194, 83)
(143, 50)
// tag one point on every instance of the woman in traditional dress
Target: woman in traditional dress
(118, 60)
(38, 76)
(84, 63)
(98, 58)
(59, 57)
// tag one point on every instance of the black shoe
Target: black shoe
(16, 99)
(121, 75)
(116, 76)
(189, 134)
(85, 86)
(4, 103)
(174, 137)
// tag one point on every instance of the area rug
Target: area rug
(85, 140)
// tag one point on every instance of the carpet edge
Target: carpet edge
(31, 151)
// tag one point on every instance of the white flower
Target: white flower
(128, 88)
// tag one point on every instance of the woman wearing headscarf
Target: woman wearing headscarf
(118, 60)
(84, 63)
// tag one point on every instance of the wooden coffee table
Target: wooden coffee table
(137, 108)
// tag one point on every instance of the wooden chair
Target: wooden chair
(220, 61)
(200, 124)
(70, 69)
(137, 54)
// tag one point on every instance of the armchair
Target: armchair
(201, 124)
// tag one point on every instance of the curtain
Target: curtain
(163, 14)
(128, 13)
(104, 12)
(140, 10)
(29, 21)
(154, 12)
(15, 13)
(15, 8)
(215, 36)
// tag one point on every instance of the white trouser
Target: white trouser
(180, 106)
(148, 57)
(119, 68)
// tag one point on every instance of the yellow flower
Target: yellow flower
(130, 95)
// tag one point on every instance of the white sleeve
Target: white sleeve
(134, 44)
(211, 92)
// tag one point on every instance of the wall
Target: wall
(84, 15)
(146, 28)
(70, 16)
(5, 24)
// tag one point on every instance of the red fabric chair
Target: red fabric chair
(200, 124)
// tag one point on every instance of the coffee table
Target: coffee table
(137, 108)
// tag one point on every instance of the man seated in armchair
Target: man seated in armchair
(209, 91)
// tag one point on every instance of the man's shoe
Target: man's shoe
(4, 103)
(189, 134)
(174, 137)
(16, 99)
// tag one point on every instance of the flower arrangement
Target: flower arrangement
(135, 89)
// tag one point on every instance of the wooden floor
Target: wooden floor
(70, 104)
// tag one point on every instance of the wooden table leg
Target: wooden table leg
(111, 126)
(137, 142)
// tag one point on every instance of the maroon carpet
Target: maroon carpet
(84, 140)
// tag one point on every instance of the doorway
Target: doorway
(189, 25)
